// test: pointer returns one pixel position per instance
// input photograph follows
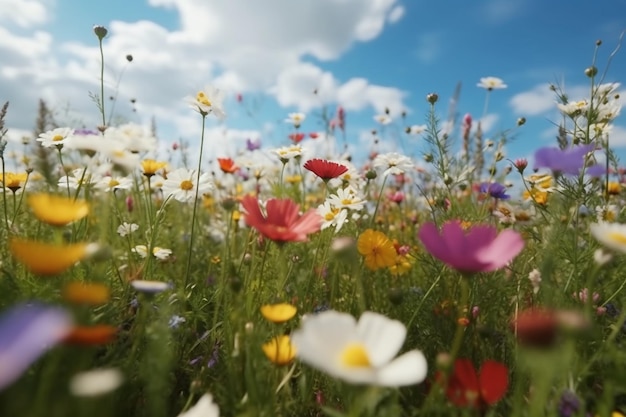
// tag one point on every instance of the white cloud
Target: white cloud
(538, 100)
(396, 14)
(357, 93)
(24, 13)
(429, 47)
(499, 11)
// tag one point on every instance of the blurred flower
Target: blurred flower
(208, 101)
(93, 294)
(227, 165)
(279, 350)
(56, 137)
(377, 249)
(109, 183)
(466, 388)
(253, 145)
(416, 129)
(535, 327)
(359, 352)
(393, 163)
(157, 252)
(181, 184)
(324, 169)
(495, 190)
(205, 407)
(96, 382)
(295, 119)
(175, 321)
(99, 334)
(491, 83)
(48, 259)
(125, 229)
(289, 152)
(150, 166)
(278, 313)
(14, 181)
(282, 221)
(383, 119)
(534, 277)
(610, 235)
(296, 137)
(150, 287)
(26, 332)
(57, 210)
(566, 161)
(480, 249)
(569, 404)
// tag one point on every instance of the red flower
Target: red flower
(227, 165)
(324, 169)
(296, 137)
(467, 389)
(283, 223)
(313, 135)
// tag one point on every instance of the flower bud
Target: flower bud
(100, 31)
(521, 121)
(591, 71)
(432, 98)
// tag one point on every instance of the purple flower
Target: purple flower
(480, 249)
(495, 190)
(569, 404)
(26, 332)
(252, 146)
(566, 161)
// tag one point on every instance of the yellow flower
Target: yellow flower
(46, 259)
(401, 266)
(14, 181)
(377, 248)
(613, 188)
(539, 197)
(279, 350)
(86, 293)
(293, 179)
(57, 210)
(278, 313)
(150, 166)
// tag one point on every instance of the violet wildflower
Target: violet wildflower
(566, 161)
(495, 190)
(479, 249)
(253, 145)
(26, 332)
(569, 404)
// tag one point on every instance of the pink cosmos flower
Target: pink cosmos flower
(283, 222)
(479, 249)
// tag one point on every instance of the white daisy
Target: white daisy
(208, 101)
(181, 184)
(491, 83)
(347, 198)
(96, 382)
(126, 229)
(133, 137)
(610, 235)
(295, 119)
(109, 183)
(393, 163)
(333, 216)
(359, 352)
(56, 137)
(288, 152)
(383, 119)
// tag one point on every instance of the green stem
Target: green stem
(195, 204)
(460, 329)
(102, 83)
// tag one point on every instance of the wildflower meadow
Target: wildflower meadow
(143, 279)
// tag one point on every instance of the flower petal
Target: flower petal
(382, 337)
(494, 381)
(407, 369)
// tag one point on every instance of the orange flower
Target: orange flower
(57, 210)
(85, 293)
(377, 248)
(227, 165)
(46, 259)
(99, 334)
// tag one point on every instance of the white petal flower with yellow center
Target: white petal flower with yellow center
(295, 119)
(610, 235)
(56, 137)
(362, 352)
(181, 184)
(491, 83)
(205, 407)
(207, 101)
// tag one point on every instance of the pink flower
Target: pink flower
(283, 222)
(480, 249)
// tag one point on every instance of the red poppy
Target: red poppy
(296, 137)
(227, 165)
(313, 135)
(324, 169)
(283, 222)
(535, 327)
(467, 389)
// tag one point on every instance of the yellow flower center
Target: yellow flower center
(331, 214)
(57, 138)
(346, 202)
(202, 99)
(113, 183)
(355, 356)
(186, 185)
(617, 237)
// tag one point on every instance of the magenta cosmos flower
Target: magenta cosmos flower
(479, 249)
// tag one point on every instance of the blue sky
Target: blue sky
(362, 54)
